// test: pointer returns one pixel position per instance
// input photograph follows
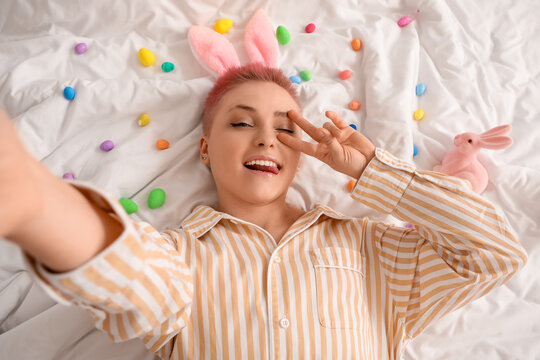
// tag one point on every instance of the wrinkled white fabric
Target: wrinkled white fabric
(479, 60)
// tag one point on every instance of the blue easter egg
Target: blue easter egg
(415, 150)
(420, 89)
(353, 126)
(295, 79)
(69, 92)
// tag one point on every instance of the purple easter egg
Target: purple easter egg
(68, 176)
(107, 145)
(80, 48)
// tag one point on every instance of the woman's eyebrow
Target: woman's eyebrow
(281, 114)
(243, 107)
(252, 109)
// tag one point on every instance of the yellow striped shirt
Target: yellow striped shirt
(334, 287)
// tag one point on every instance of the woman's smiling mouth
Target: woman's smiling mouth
(263, 165)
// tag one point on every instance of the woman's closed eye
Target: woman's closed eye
(288, 130)
(243, 124)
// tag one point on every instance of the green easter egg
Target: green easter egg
(128, 205)
(156, 198)
(167, 66)
(305, 75)
(283, 35)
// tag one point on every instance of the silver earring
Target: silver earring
(204, 157)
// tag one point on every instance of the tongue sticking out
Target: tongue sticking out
(271, 169)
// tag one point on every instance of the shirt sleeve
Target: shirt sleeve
(460, 248)
(137, 287)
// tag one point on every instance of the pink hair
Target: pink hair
(239, 75)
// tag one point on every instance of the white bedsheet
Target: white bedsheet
(480, 61)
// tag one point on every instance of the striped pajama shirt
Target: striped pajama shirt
(334, 287)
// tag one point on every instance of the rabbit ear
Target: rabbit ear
(212, 49)
(499, 130)
(260, 40)
(496, 142)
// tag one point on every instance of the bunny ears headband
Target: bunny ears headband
(217, 54)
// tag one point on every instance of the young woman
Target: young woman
(255, 277)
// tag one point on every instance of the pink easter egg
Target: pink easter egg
(310, 28)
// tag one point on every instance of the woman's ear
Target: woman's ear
(205, 159)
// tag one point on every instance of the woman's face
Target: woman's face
(245, 127)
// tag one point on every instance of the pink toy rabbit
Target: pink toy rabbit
(463, 162)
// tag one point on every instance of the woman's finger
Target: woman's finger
(305, 125)
(340, 123)
(297, 144)
(333, 130)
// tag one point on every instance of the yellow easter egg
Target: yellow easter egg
(223, 25)
(419, 114)
(143, 120)
(146, 56)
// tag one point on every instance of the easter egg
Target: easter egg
(69, 93)
(162, 144)
(167, 66)
(415, 150)
(356, 44)
(146, 57)
(353, 126)
(156, 198)
(350, 185)
(223, 25)
(143, 120)
(418, 114)
(406, 20)
(283, 35)
(68, 176)
(420, 89)
(310, 28)
(305, 75)
(129, 205)
(107, 145)
(295, 79)
(345, 74)
(80, 48)
(355, 105)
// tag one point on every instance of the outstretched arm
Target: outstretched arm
(130, 277)
(44, 215)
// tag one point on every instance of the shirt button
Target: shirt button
(284, 323)
(277, 259)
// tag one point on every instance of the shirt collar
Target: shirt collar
(203, 218)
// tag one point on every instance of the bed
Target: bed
(480, 62)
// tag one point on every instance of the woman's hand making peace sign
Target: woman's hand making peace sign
(339, 145)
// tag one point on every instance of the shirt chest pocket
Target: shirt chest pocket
(339, 274)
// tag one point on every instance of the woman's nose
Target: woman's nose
(266, 137)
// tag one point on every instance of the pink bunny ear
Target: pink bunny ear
(212, 49)
(496, 142)
(260, 40)
(499, 130)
